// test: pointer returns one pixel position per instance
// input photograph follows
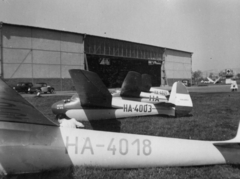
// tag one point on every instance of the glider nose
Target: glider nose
(58, 108)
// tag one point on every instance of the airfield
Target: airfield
(211, 88)
(192, 89)
(215, 117)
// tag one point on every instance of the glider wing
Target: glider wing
(14, 108)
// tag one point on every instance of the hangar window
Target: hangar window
(150, 62)
(104, 61)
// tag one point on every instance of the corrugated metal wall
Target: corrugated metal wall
(1, 60)
(178, 65)
(34, 53)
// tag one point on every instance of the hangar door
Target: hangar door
(40, 55)
(112, 59)
(178, 65)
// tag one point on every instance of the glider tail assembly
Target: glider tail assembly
(181, 98)
(146, 83)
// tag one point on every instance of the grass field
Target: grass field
(215, 116)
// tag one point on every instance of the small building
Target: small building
(45, 55)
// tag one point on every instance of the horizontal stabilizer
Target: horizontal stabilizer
(14, 108)
(131, 86)
(90, 88)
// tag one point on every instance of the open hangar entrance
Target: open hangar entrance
(113, 70)
(112, 59)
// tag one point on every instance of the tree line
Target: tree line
(197, 76)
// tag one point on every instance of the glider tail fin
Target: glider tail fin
(146, 83)
(90, 88)
(181, 98)
(131, 86)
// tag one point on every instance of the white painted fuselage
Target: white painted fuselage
(34, 148)
(145, 97)
(121, 108)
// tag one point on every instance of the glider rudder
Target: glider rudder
(181, 98)
(90, 88)
(132, 84)
(146, 83)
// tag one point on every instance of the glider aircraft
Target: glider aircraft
(94, 101)
(32, 143)
(209, 80)
(215, 81)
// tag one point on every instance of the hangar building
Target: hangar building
(32, 54)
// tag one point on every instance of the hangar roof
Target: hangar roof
(85, 34)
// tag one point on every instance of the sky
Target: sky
(210, 29)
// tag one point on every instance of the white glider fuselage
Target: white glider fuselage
(121, 108)
(33, 148)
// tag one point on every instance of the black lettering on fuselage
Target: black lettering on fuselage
(130, 108)
(154, 98)
(125, 108)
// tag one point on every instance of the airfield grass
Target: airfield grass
(214, 117)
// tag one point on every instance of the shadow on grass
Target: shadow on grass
(53, 174)
(111, 125)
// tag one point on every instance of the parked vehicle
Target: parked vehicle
(23, 87)
(42, 88)
(186, 82)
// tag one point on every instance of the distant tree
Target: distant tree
(211, 75)
(238, 75)
(222, 74)
(197, 75)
